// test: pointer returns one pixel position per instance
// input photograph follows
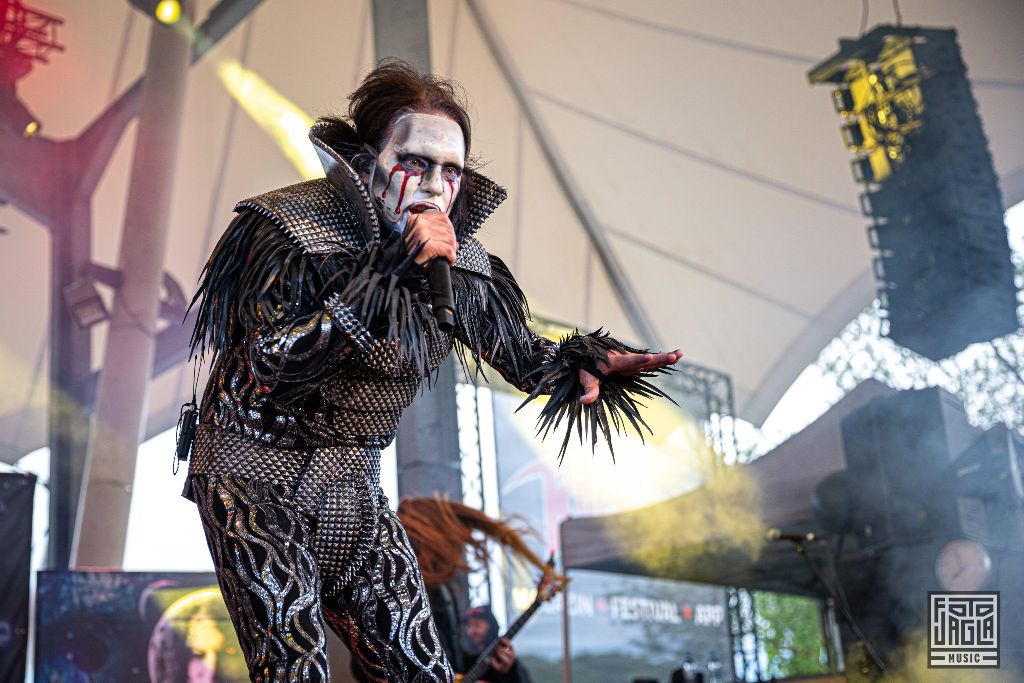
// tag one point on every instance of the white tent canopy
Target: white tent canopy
(713, 172)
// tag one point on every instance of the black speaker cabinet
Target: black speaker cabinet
(898, 449)
(16, 493)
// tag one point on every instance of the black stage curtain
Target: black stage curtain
(16, 493)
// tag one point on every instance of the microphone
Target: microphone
(775, 534)
(439, 278)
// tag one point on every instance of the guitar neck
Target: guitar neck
(520, 621)
(483, 660)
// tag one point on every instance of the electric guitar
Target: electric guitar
(547, 588)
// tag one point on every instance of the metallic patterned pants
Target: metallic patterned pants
(281, 584)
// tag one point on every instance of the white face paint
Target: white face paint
(419, 167)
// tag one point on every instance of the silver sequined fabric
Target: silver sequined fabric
(281, 593)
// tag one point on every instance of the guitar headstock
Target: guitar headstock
(550, 583)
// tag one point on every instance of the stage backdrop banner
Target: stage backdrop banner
(128, 627)
(16, 493)
(624, 627)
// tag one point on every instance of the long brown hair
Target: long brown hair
(442, 530)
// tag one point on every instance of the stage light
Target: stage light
(842, 100)
(945, 275)
(84, 300)
(85, 303)
(15, 117)
(863, 172)
(26, 37)
(165, 11)
(168, 11)
(853, 136)
(879, 90)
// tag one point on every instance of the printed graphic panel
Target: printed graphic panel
(134, 627)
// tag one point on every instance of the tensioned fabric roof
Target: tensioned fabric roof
(687, 130)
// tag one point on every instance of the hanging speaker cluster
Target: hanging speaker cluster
(943, 263)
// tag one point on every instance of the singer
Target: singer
(317, 316)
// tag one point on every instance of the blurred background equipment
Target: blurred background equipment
(943, 264)
(988, 477)
(935, 507)
(16, 494)
(902, 496)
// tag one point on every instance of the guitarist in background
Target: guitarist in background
(481, 627)
(444, 536)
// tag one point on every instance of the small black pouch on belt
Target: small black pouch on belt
(185, 433)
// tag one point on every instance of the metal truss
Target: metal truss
(743, 635)
(707, 395)
(467, 400)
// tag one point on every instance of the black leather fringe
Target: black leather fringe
(387, 291)
(492, 319)
(617, 405)
(257, 276)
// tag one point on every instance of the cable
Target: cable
(864, 16)
(453, 38)
(996, 83)
(366, 29)
(896, 11)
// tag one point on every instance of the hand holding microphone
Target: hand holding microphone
(430, 227)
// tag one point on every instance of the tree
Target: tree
(988, 378)
(789, 631)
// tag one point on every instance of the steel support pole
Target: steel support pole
(401, 29)
(70, 366)
(128, 359)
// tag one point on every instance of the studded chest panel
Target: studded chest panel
(369, 394)
(313, 213)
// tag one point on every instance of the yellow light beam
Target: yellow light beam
(286, 124)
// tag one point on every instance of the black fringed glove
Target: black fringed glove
(615, 406)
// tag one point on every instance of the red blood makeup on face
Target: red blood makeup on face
(424, 157)
(396, 167)
(405, 181)
(451, 197)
